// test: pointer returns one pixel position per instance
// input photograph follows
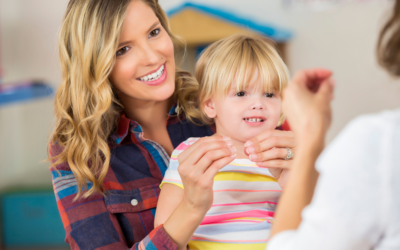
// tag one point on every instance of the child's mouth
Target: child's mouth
(254, 121)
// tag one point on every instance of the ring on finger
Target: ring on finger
(289, 155)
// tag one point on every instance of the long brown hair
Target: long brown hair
(389, 43)
(86, 107)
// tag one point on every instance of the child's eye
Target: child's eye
(241, 93)
(154, 33)
(270, 95)
(122, 51)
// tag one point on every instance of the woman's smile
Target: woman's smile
(155, 77)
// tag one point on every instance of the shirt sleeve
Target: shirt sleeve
(87, 222)
(346, 210)
(172, 175)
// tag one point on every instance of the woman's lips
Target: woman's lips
(158, 81)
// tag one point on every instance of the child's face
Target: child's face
(245, 114)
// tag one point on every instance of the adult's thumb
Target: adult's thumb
(326, 88)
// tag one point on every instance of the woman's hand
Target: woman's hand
(269, 149)
(306, 104)
(198, 166)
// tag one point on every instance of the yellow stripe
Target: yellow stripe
(166, 182)
(206, 245)
(247, 218)
(234, 176)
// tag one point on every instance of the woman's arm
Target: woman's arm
(310, 116)
(170, 198)
(182, 210)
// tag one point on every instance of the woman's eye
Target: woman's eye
(241, 93)
(122, 51)
(270, 95)
(154, 33)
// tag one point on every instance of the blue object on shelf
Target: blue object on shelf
(31, 219)
(13, 93)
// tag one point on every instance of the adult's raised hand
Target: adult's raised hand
(306, 104)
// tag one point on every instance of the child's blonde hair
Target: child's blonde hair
(234, 59)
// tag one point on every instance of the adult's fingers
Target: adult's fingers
(210, 157)
(268, 155)
(326, 90)
(283, 164)
(212, 171)
(267, 134)
(311, 78)
(195, 152)
(272, 142)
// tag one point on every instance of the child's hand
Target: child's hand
(198, 166)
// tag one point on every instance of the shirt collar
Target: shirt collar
(125, 125)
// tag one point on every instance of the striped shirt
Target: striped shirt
(245, 197)
(124, 217)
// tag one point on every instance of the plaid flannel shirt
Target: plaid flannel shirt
(124, 218)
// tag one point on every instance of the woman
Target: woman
(356, 201)
(119, 119)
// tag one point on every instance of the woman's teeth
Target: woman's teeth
(153, 76)
(253, 119)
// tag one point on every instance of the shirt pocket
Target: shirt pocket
(136, 200)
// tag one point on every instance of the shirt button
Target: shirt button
(134, 202)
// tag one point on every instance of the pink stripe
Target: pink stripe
(238, 241)
(242, 190)
(182, 146)
(247, 203)
(233, 221)
(252, 213)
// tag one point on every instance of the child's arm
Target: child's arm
(170, 197)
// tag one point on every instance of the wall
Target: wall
(28, 51)
(342, 39)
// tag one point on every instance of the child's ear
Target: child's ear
(209, 109)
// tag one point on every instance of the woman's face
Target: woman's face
(145, 66)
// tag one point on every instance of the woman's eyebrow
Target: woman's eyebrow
(150, 29)
(153, 26)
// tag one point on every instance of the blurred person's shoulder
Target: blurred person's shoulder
(367, 141)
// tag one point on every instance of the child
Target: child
(241, 80)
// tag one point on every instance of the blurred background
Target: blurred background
(336, 34)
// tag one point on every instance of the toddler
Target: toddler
(241, 79)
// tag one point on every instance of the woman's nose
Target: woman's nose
(150, 56)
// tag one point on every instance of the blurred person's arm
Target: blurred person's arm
(336, 218)
(349, 209)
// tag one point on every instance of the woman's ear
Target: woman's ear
(209, 109)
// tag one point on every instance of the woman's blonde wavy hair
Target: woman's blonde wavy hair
(86, 106)
(234, 59)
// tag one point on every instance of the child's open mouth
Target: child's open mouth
(254, 121)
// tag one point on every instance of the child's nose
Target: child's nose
(257, 106)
